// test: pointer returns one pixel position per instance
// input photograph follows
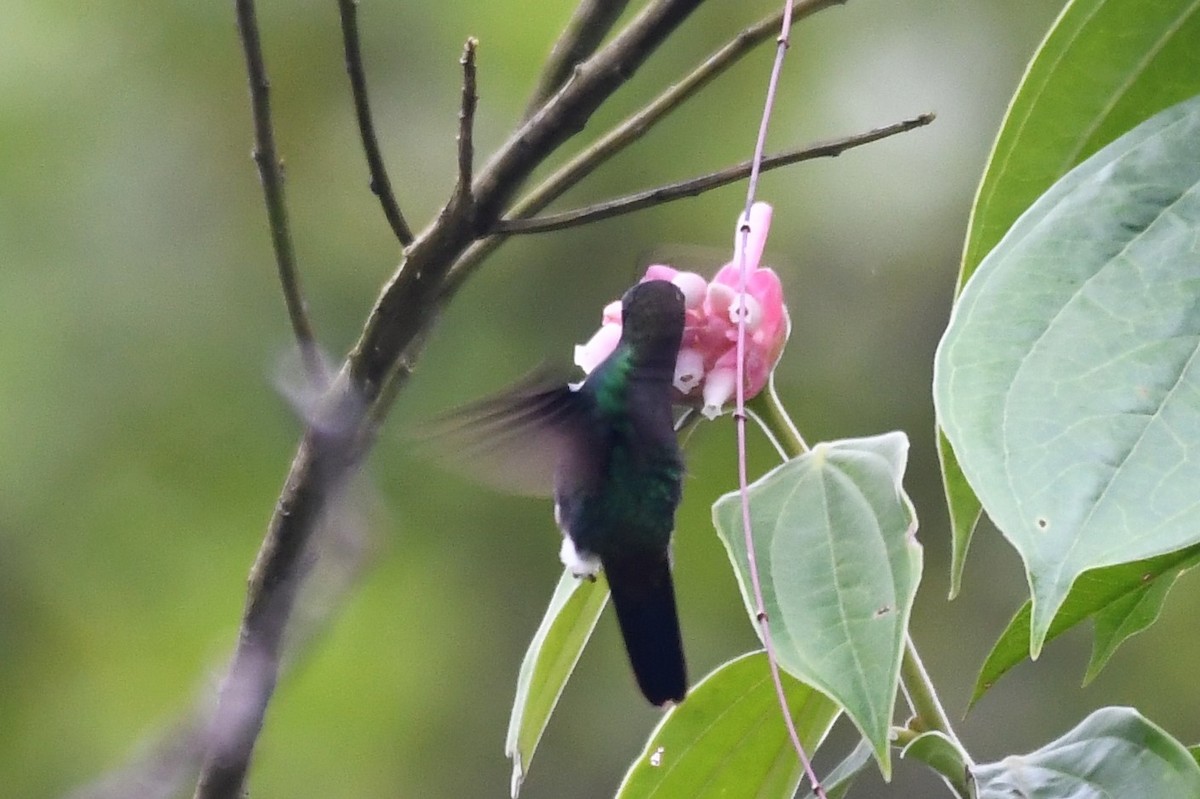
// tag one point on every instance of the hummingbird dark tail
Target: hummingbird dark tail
(644, 598)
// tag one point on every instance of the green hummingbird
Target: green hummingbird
(608, 447)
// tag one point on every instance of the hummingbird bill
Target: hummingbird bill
(607, 450)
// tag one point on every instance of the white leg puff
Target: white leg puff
(581, 564)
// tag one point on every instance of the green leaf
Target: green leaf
(1067, 380)
(548, 663)
(1125, 617)
(1117, 593)
(1105, 66)
(1194, 751)
(965, 511)
(837, 782)
(728, 737)
(945, 757)
(1114, 752)
(839, 566)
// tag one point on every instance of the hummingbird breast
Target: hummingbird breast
(630, 508)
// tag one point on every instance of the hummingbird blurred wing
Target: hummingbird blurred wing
(523, 440)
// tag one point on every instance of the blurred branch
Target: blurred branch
(588, 26)
(632, 129)
(164, 765)
(270, 171)
(381, 185)
(345, 424)
(701, 184)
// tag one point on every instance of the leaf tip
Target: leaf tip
(518, 776)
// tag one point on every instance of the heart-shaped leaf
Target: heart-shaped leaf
(839, 566)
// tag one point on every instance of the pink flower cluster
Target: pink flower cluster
(706, 369)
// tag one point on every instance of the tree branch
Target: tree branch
(270, 171)
(698, 185)
(632, 129)
(588, 26)
(381, 185)
(418, 288)
(345, 426)
(568, 111)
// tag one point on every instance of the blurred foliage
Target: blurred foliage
(144, 439)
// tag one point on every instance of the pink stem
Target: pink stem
(740, 415)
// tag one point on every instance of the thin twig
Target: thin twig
(740, 416)
(630, 130)
(270, 171)
(466, 121)
(589, 24)
(698, 185)
(381, 185)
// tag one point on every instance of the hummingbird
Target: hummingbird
(609, 448)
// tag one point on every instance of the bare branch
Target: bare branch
(588, 26)
(466, 120)
(568, 111)
(381, 185)
(701, 184)
(319, 472)
(270, 171)
(333, 449)
(633, 128)
(638, 124)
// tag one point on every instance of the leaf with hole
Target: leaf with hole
(728, 737)
(834, 540)
(1068, 380)
(1105, 66)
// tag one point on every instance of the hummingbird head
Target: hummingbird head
(652, 318)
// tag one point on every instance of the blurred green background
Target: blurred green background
(144, 438)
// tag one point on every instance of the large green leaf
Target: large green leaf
(839, 566)
(1105, 66)
(1124, 599)
(1115, 752)
(729, 739)
(549, 661)
(1067, 380)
